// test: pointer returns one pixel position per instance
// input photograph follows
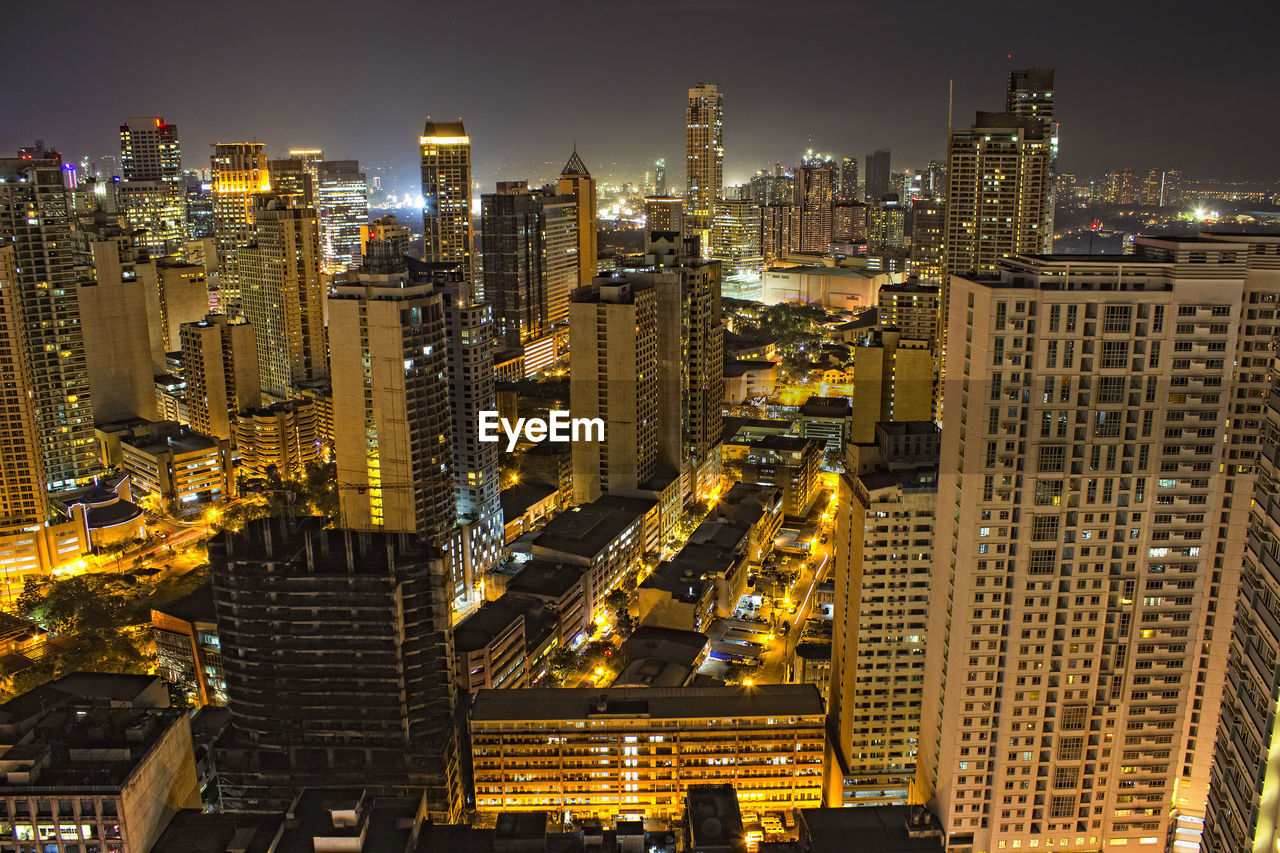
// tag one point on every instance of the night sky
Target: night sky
(1176, 84)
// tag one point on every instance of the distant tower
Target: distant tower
(151, 193)
(342, 208)
(576, 181)
(446, 189)
(814, 196)
(704, 146)
(1030, 96)
(877, 180)
(660, 177)
(239, 175)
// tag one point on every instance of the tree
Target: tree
(618, 603)
(562, 663)
(31, 597)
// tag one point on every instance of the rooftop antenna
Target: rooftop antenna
(951, 85)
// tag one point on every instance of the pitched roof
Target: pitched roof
(574, 167)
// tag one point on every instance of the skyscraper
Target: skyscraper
(220, 364)
(35, 219)
(735, 238)
(152, 197)
(392, 438)
(997, 194)
(847, 188)
(342, 206)
(704, 156)
(530, 253)
(882, 559)
(576, 181)
(239, 175)
(22, 483)
(1030, 95)
(446, 188)
(660, 177)
(340, 671)
(812, 207)
(928, 228)
(282, 294)
(877, 179)
(1092, 560)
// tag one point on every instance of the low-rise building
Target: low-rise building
(188, 650)
(790, 463)
(184, 470)
(490, 646)
(526, 505)
(827, 419)
(632, 751)
(281, 437)
(94, 761)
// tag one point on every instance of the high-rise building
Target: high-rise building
(849, 222)
(998, 176)
(36, 221)
(886, 224)
(735, 238)
(197, 199)
(1078, 666)
(1029, 95)
(660, 177)
(446, 188)
(892, 381)
(282, 294)
(812, 207)
(240, 174)
(220, 364)
(882, 558)
(151, 193)
(775, 231)
(23, 502)
(664, 213)
(704, 157)
(530, 261)
(339, 671)
(342, 206)
(847, 187)
(469, 352)
(928, 230)
(392, 438)
(877, 177)
(936, 180)
(293, 181)
(576, 181)
(114, 292)
(613, 376)
(389, 230)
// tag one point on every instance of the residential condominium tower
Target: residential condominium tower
(704, 157)
(1101, 426)
(151, 193)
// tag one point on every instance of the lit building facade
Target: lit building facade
(704, 157)
(342, 207)
(1077, 674)
(446, 187)
(220, 365)
(151, 193)
(240, 174)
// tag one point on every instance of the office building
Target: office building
(628, 751)
(342, 207)
(282, 294)
(293, 181)
(392, 446)
(340, 671)
(188, 649)
(220, 365)
(1109, 572)
(446, 188)
(664, 213)
(183, 471)
(660, 177)
(151, 193)
(95, 761)
(735, 238)
(576, 181)
(240, 174)
(704, 158)
(530, 254)
(197, 199)
(882, 558)
(877, 176)
(812, 207)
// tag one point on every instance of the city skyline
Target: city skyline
(1104, 73)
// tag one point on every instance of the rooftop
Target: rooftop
(827, 407)
(545, 578)
(195, 606)
(677, 703)
(587, 530)
(879, 829)
(196, 831)
(517, 499)
(481, 627)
